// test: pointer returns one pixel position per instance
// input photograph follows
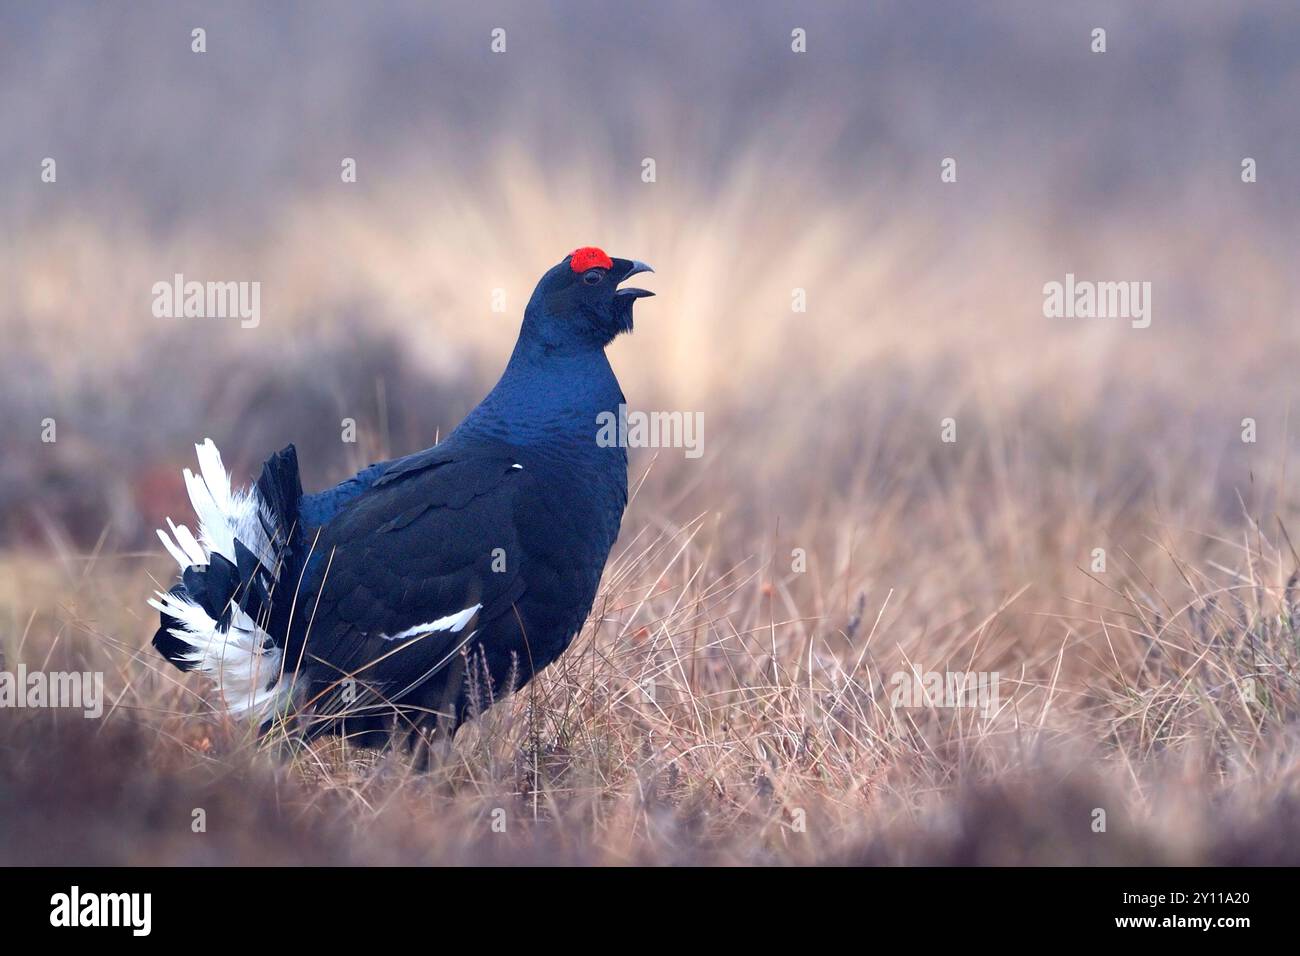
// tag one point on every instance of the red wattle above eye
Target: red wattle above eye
(589, 257)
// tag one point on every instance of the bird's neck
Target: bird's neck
(545, 398)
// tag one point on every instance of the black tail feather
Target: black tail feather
(280, 488)
(170, 646)
(211, 586)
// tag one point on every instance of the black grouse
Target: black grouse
(419, 591)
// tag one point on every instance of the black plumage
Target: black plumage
(423, 589)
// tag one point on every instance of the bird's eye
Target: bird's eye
(592, 276)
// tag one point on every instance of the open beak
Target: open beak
(624, 299)
(626, 269)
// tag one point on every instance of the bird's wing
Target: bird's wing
(410, 569)
(318, 508)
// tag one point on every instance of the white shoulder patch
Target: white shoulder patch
(452, 623)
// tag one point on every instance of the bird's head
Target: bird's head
(578, 303)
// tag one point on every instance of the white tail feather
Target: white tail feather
(241, 660)
(188, 547)
(243, 664)
(225, 516)
(180, 556)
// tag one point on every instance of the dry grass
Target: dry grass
(719, 706)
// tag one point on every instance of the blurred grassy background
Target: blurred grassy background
(775, 170)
